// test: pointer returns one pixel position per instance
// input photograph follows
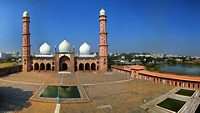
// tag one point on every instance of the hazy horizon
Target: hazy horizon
(168, 26)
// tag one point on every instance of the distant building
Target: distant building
(16, 55)
(5, 56)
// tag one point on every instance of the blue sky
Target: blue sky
(163, 26)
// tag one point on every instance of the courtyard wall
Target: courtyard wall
(10, 70)
(162, 78)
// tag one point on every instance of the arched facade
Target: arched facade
(64, 63)
(87, 65)
(43, 64)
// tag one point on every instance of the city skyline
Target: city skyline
(134, 26)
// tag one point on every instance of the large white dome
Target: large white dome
(65, 46)
(25, 14)
(102, 12)
(85, 48)
(45, 48)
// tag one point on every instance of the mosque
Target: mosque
(64, 59)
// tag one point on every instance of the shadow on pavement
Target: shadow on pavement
(13, 99)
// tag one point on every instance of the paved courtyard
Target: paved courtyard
(190, 106)
(108, 93)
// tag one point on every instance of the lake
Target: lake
(180, 69)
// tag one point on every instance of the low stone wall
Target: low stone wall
(124, 71)
(10, 70)
(176, 81)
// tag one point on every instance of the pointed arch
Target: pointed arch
(63, 63)
(87, 66)
(81, 66)
(48, 66)
(42, 66)
(93, 66)
(36, 66)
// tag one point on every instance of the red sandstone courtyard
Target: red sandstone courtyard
(111, 92)
(125, 89)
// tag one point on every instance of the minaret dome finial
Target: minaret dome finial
(25, 14)
(102, 12)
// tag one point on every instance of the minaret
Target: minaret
(26, 57)
(103, 45)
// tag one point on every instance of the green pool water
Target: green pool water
(172, 104)
(185, 92)
(64, 92)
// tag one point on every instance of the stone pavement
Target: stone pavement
(117, 90)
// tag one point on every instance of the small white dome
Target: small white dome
(25, 14)
(64, 46)
(102, 12)
(85, 48)
(45, 49)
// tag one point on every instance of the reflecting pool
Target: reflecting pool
(61, 92)
(172, 104)
(185, 92)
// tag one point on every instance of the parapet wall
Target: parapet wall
(10, 70)
(121, 69)
(162, 78)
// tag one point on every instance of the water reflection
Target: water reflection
(64, 92)
(180, 69)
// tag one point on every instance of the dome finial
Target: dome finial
(102, 12)
(25, 14)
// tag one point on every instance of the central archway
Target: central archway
(64, 61)
(64, 67)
